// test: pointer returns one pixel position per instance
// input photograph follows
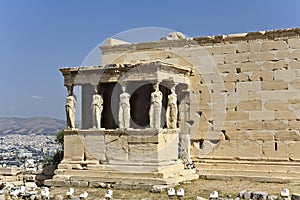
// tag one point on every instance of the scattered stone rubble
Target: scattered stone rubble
(31, 191)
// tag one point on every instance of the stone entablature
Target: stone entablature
(151, 71)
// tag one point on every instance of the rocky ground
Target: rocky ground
(198, 188)
(201, 188)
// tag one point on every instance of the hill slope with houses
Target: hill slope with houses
(27, 126)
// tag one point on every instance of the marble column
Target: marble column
(70, 108)
(172, 110)
(155, 107)
(124, 108)
(97, 108)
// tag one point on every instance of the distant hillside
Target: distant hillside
(36, 125)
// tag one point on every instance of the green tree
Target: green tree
(59, 154)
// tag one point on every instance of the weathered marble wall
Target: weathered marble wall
(245, 98)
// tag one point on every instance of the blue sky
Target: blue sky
(39, 37)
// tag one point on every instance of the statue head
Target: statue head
(70, 89)
(156, 86)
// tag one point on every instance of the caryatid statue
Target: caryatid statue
(155, 107)
(124, 109)
(97, 108)
(172, 110)
(71, 108)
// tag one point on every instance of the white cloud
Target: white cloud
(37, 97)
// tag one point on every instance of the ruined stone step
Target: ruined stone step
(249, 162)
(256, 166)
(114, 174)
(135, 180)
(250, 173)
(250, 178)
(121, 180)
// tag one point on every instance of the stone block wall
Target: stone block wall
(134, 147)
(245, 101)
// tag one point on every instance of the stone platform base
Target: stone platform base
(261, 171)
(120, 176)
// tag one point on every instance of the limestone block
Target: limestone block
(295, 84)
(188, 61)
(260, 56)
(283, 95)
(261, 76)
(213, 135)
(274, 65)
(202, 150)
(234, 77)
(236, 58)
(225, 149)
(262, 135)
(116, 147)
(236, 116)
(136, 57)
(224, 49)
(274, 85)
(113, 58)
(226, 68)
(73, 147)
(249, 67)
(191, 51)
(287, 136)
(243, 47)
(294, 125)
(143, 152)
(275, 150)
(294, 101)
(232, 97)
(286, 75)
(218, 87)
(296, 54)
(276, 105)
(94, 147)
(229, 86)
(252, 96)
(275, 125)
(212, 78)
(142, 139)
(218, 59)
(261, 115)
(237, 135)
(249, 105)
(285, 114)
(273, 45)
(296, 107)
(249, 149)
(243, 89)
(249, 125)
(294, 150)
(294, 64)
(254, 46)
(230, 106)
(283, 54)
(160, 54)
(294, 43)
(230, 125)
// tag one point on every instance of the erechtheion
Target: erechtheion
(218, 107)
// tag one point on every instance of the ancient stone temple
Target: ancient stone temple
(228, 104)
(134, 129)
